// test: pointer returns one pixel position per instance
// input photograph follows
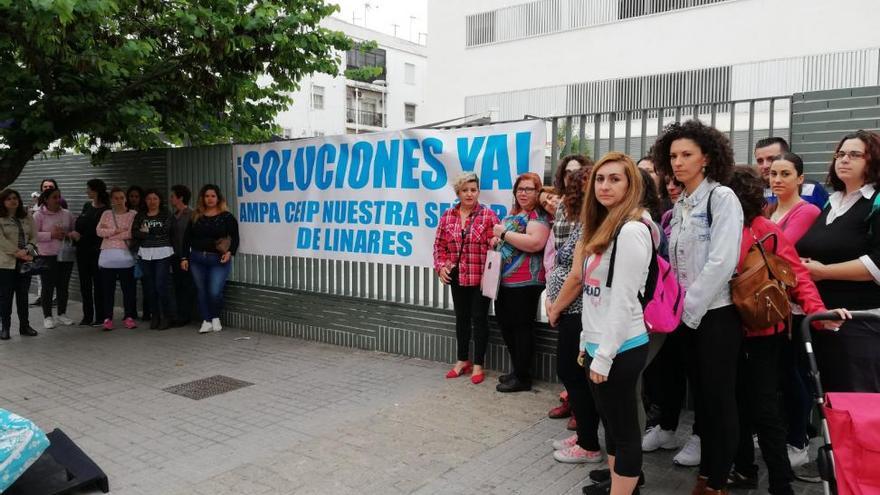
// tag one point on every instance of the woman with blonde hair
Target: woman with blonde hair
(210, 242)
(460, 247)
(522, 236)
(613, 344)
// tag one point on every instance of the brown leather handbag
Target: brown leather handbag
(760, 290)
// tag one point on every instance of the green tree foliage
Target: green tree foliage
(93, 75)
(575, 146)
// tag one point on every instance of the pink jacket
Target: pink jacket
(804, 292)
(115, 234)
(798, 221)
(45, 222)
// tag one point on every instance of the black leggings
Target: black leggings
(126, 281)
(55, 280)
(471, 310)
(759, 380)
(713, 352)
(516, 308)
(576, 381)
(666, 381)
(796, 386)
(617, 403)
(91, 286)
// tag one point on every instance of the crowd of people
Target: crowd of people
(180, 255)
(592, 242)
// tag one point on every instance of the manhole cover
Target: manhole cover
(207, 387)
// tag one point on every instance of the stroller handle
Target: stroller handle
(819, 394)
(831, 315)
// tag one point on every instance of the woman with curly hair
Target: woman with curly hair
(583, 446)
(563, 222)
(704, 244)
(842, 249)
(759, 377)
(522, 236)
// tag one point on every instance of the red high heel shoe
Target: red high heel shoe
(464, 370)
(478, 378)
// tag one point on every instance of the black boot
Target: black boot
(4, 333)
(514, 385)
(27, 331)
(164, 323)
(154, 321)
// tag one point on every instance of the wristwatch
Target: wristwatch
(502, 235)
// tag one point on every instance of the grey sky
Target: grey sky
(381, 15)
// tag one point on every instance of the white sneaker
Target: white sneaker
(689, 455)
(577, 455)
(565, 443)
(215, 325)
(206, 327)
(64, 320)
(658, 438)
(48, 323)
(798, 457)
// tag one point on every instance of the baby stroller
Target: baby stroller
(852, 467)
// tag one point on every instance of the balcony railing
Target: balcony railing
(364, 117)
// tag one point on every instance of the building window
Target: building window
(409, 72)
(409, 113)
(365, 65)
(318, 97)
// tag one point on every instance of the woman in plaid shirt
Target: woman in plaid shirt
(460, 246)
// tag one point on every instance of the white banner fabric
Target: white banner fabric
(374, 197)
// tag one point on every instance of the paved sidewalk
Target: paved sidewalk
(318, 419)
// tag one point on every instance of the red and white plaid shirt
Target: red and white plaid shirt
(448, 243)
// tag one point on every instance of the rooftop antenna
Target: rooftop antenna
(411, 19)
(395, 26)
(367, 7)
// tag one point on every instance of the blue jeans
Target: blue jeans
(209, 277)
(157, 287)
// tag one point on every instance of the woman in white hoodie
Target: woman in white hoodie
(614, 339)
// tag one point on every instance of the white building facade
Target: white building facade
(395, 99)
(508, 58)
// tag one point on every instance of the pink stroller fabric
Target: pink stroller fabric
(854, 426)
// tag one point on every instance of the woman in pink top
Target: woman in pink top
(54, 225)
(794, 216)
(116, 260)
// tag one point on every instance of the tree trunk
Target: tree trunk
(12, 162)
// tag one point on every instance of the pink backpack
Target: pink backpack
(663, 300)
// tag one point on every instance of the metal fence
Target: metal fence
(634, 131)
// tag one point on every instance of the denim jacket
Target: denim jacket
(705, 258)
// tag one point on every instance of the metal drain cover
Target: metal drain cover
(207, 387)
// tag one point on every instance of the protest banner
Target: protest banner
(373, 197)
